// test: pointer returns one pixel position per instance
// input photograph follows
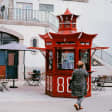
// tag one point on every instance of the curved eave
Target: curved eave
(81, 36)
(37, 48)
(42, 36)
(71, 15)
(78, 36)
(62, 35)
(45, 37)
(85, 36)
(99, 48)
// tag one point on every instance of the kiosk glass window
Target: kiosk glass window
(50, 60)
(6, 38)
(73, 24)
(84, 55)
(67, 22)
(65, 59)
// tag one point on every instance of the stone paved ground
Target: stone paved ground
(32, 99)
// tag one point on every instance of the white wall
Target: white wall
(95, 17)
(31, 61)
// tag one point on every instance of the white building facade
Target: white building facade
(27, 19)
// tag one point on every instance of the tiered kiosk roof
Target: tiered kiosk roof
(68, 30)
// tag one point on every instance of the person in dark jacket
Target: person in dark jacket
(79, 84)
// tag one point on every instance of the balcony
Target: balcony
(28, 17)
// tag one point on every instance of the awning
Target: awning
(37, 48)
(14, 46)
(99, 48)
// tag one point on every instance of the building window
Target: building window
(24, 11)
(46, 7)
(22, 5)
(34, 42)
(6, 38)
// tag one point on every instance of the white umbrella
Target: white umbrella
(14, 46)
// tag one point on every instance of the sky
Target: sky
(97, 18)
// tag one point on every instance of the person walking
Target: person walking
(79, 84)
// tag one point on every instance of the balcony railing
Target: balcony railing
(29, 16)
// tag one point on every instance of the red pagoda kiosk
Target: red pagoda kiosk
(63, 50)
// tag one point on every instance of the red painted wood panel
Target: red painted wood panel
(2, 71)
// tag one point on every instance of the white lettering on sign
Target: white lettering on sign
(47, 82)
(68, 90)
(50, 83)
(60, 84)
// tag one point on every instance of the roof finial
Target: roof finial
(67, 12)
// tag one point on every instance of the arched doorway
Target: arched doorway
(9, 59)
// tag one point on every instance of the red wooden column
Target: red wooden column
(2, 71)
(46, 77)
(54, 70)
